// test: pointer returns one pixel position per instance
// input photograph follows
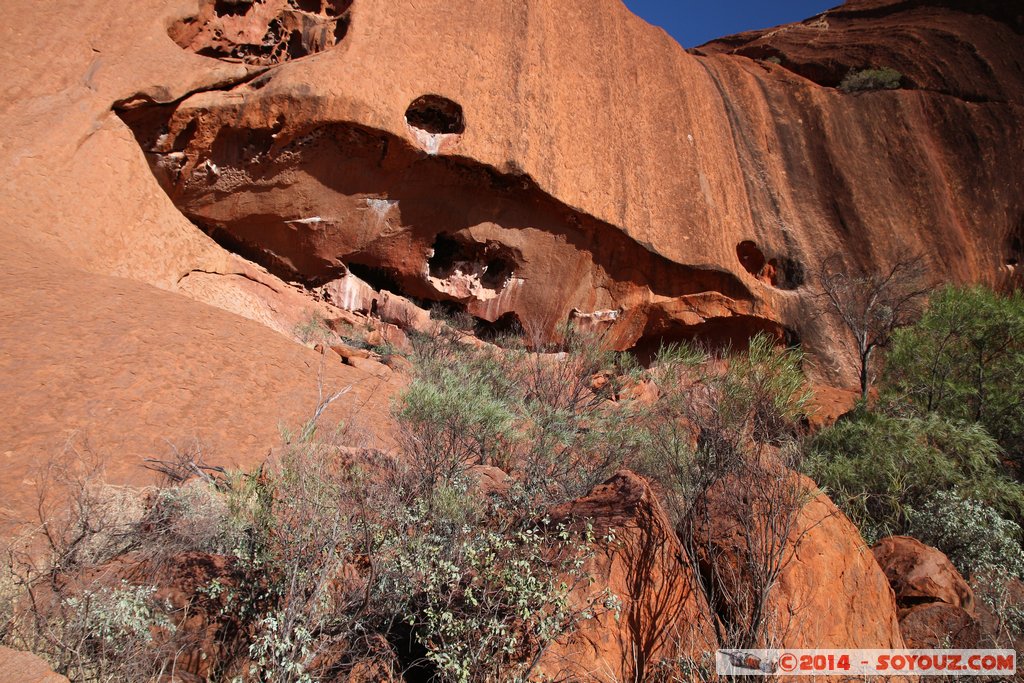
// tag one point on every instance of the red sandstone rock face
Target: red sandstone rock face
(830, 592)
(262, 32)
(481, 155)
(964, 48)
(662, 619)
(433, 196)
(24, 667)
(920, 573)
(477, 155)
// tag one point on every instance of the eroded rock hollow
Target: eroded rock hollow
(698, 206)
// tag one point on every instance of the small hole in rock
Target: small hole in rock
(492, 262)
(341, 30)
(751, 257)
(446, 251)
(378, 278)
(311, 6)
(296, 46)
(499, 270)
(436, 115)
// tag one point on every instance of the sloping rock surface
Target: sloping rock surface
(24, 667)
(830, 591)
(638, 558)
(175, 167)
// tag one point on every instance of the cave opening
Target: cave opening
(296, 46)
(504, 327)
(492, 262)
(232, 8)
(781, 272)
(1015, 244)
(381, 279)
(446, 251)
(436, 115)
(717, 335)
(751, 257)
(341, 29)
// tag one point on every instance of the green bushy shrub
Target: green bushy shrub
(532, 413)
(859, 80)
(965, 359)
(878, 468)
(708, 418)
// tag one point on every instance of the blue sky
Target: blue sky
(693, 22)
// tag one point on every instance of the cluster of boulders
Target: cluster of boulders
(831, 590)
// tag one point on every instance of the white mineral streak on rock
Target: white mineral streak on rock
(349, 293)
(431, 143)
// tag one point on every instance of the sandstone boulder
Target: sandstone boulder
(25, 667)
(936, 604)
(640, 561)
(939, 625)
(829, 593)
(919, 573)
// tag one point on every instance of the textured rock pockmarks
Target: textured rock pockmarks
(263, 32)
(311, 202)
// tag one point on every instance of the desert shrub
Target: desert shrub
(731, 428)
(464, 588)
(983, 546)
(313, 329)
(965, 359)
(62, 602)
(858, 80)
(709, 419)
(973, 535)
(110, 625)
(879, 468)
(535, 413)
(452, 417)
(574, 437)
(330, 559)
(482, 592)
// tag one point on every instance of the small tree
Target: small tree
(872, 306)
